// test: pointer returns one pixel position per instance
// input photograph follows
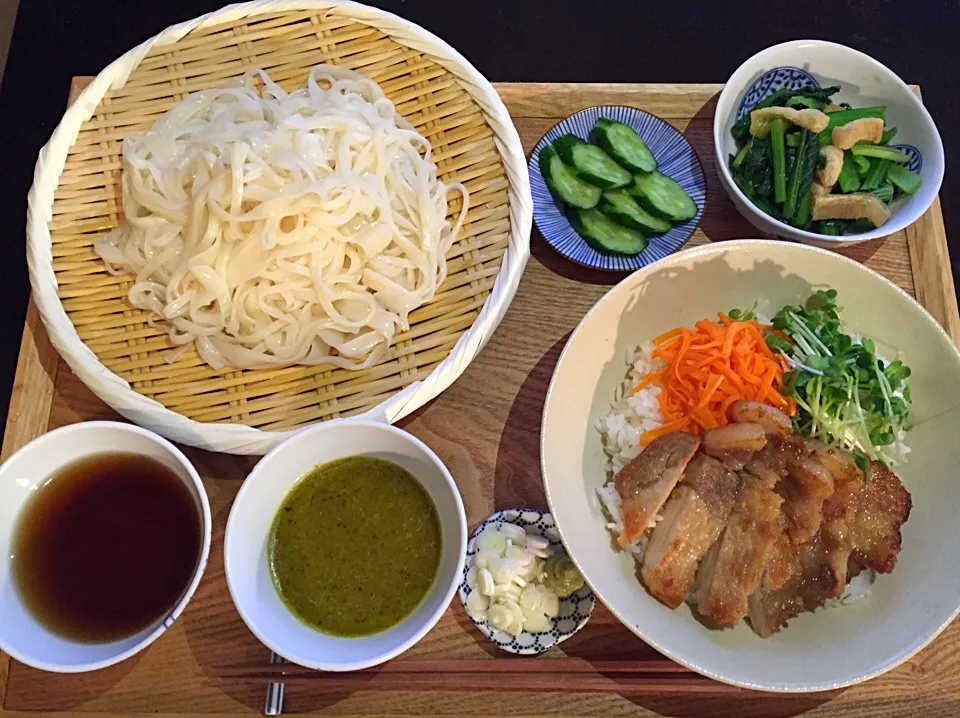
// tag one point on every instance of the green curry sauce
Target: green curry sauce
(355, 546)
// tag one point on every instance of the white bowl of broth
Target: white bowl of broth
(345, 545)
(105, 533)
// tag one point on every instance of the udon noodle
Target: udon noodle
(271, 228)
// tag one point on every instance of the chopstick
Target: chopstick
(504, 674)
(273, 705)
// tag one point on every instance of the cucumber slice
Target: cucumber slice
(605, 235)
(624, 144)
(564, 183)
(620, 206)
(591, 163)
(663, 197)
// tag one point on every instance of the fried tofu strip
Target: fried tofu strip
(833, 163)
(857, 205)
(846, 136)
(808, 119)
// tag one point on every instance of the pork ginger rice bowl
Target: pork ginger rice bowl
(749, 464)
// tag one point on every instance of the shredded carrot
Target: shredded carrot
(710, 367)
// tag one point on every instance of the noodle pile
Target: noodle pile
(270, 228)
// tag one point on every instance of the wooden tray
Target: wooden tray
(486, 427)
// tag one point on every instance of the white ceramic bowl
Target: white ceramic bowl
(21, 635)
(863, 82)
(817, 651)
(248, 529)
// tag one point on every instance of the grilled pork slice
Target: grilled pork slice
(734, 444)
(645, 483)
(811, 578)
(878, 512)
(734, 566)
(860, 529)
(773, 421)
(692, 520)
(805, 488)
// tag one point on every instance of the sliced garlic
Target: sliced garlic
(535, 621)
(512, 531)
(520, 556)
(537, 542)
(485, 583)
(472, 577)
(477, 605)
(492, 540)
(499, 617)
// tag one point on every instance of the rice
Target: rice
(630, 416)
(634, 413)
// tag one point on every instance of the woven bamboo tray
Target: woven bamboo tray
(455, 109)
(486, 429)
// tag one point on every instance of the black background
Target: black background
(521, 40)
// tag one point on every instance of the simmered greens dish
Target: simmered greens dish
(819, 166)
(612, 192)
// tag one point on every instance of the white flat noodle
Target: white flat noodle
(272, 228)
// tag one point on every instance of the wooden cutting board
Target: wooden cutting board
(486, 428)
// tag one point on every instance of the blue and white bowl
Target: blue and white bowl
(575, 610)
(863, 82)
(676, 159)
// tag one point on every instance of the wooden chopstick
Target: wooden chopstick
(505, 674)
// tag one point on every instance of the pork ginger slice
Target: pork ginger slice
(734, 566)
(645, 483)
(807, 485)
(692, 521)
(877, 513)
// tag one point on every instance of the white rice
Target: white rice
(630, 416)
(634, 413)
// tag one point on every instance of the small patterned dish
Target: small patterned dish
(676, 159)
(575, 610)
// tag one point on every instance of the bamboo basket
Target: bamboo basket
(76, 199)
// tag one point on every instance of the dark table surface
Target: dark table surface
(521, 40)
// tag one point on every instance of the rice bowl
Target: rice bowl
(820, 651)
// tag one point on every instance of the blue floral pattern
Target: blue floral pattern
(676, 159)
(575, 610)
(771, 81)
(915, 163)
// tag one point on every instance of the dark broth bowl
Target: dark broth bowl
(863, 82)
(249, 528)
(22, 635)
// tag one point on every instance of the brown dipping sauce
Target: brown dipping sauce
(106, 547)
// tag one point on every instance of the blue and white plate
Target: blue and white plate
(795, 78)
(575, 610)
(676, 159)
